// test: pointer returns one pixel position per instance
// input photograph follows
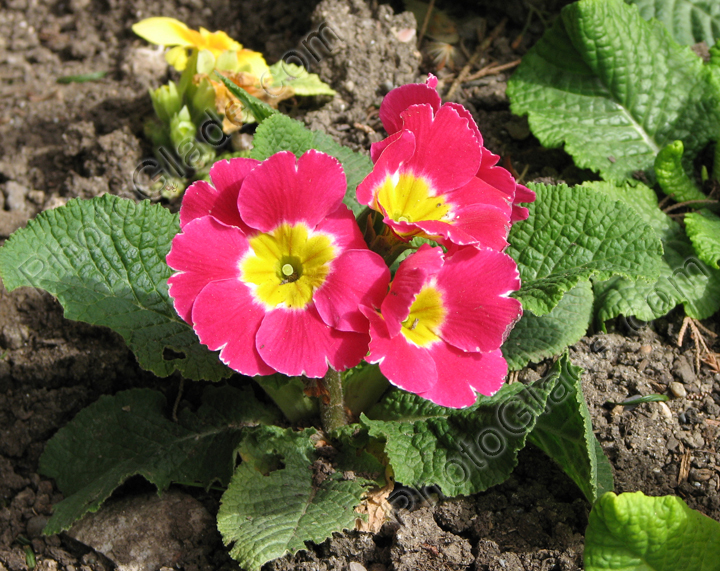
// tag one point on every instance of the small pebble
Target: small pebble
(665, 410)
(678, 390)
(355, 566)
(645, 349)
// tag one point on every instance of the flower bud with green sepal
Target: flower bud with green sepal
(181, 127)
(166, 101)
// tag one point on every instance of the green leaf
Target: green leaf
(683, 277)
(259, 109)
(671, 175)
(266, 515)
(565, 434)
(643, 200)
(535, 338)
(614, 89)
(703, 229)
(463, 451)
(104, 259)
(689, 21)
(83, 77)
(286, 74)
(573, 234)
(280, 133)
(634, 532)
(128, 434)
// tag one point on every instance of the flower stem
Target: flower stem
(333, 413)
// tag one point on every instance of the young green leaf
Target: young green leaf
(573, 234)
(462, 451)
(535, 338)
(280, 497)
(703, 229)
(259, 109)
(634, 532)
(614, 89)
(104, 259)
(689, 21)
(671, 175)
(129, 433)
(565, 434)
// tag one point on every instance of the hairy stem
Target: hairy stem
(333, 413)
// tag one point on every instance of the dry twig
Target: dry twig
(426, 21)
(482, 47)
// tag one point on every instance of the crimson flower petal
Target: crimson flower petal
(226, 317)
(356, 277)
(206, 250)
(402, 363)
(462, 375)
(220, 199)
(479, 313)
(388, 163)
(412, 274)
(341, 224)
(299, 343)
(447, 152)
(399, 99)
(286, 189)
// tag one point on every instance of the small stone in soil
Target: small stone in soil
(677, 390)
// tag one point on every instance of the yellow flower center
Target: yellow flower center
(426, 316)
(285, 266)
(407, 198)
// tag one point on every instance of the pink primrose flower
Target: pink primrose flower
(439, 330)
(272, 267)
(433, 177)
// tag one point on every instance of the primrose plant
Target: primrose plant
(372, 300)
(196, 115)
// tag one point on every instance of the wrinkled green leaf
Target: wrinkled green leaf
(104, 259)
(130, 433)
(286, 74)
(565, 434)
(703, 229)
(463, 451)
(614, 89)
(573, 234)
(688, 21)
(634, 532)
(535, 338)
(280, 133)
(275, 502)
(683, 277)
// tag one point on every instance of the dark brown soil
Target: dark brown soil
(84, 139)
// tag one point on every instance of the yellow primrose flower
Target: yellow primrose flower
(171, 32)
